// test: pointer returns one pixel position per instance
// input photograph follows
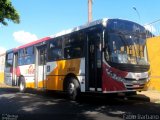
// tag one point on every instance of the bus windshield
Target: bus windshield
(126, 47)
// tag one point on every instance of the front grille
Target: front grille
(129, 79)
(135, 87)
(133, 84)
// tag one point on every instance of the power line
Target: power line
(153, 22)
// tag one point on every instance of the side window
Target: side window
(29, 55)
(9, 60)
(74, 45)
(21, 57)
(26, 56)
(55, 49)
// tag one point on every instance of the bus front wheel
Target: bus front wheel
(22, 85)
(73, 88)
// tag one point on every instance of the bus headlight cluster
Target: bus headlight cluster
(114, 76)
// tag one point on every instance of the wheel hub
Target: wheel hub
(21, 86)
(71, 88)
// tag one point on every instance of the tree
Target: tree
(8, 12)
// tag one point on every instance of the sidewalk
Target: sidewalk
(152, 94)
(2, 85)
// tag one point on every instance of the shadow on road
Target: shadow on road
(48, 105)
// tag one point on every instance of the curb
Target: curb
(2, 85)
(153, 95)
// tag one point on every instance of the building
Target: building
(153, 46)
(2, 65)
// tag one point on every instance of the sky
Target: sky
(42, 18)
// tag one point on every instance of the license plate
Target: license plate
(136, 86)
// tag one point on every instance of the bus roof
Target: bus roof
(10, 50)
(33, 43)
(60, 34)
(97, 22)
(64, 32)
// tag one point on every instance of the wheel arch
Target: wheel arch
(70, 75)
(19, 79)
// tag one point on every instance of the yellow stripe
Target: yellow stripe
(55, 79)
(64, 67)
(30, 85)
(42, 84)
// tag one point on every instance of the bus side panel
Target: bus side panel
(81, 76)
(41, 82)
(8, 76)
(56, 72)
(28, 72)
(55, 82)
(41, 76)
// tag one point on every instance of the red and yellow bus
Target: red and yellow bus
(104, 56)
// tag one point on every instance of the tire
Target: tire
(22, 85)
(73, 88)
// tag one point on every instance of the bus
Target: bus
(103, 56)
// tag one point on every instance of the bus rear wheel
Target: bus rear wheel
(73, 88)
(22, 85)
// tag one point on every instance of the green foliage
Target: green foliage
(8, 12)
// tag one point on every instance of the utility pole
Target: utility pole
(89, 11)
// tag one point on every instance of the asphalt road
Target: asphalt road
(35, 105)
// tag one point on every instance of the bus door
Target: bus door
(9, 68)
(94, 61)
(41, 67)
(15, 69)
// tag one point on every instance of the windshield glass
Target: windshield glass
(126, 47)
